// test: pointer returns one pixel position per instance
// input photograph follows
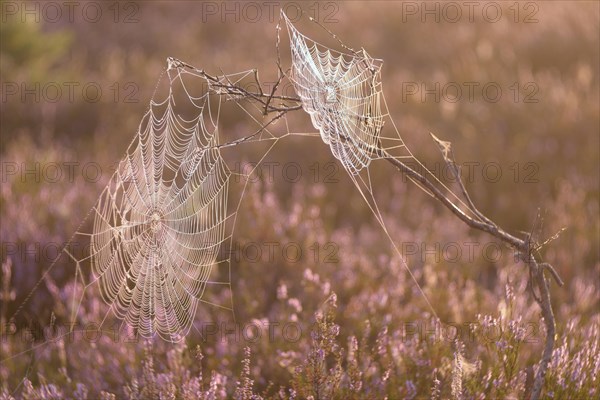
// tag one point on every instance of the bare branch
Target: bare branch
(222, 85)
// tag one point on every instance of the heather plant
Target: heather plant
(375, 363)
(575, 365)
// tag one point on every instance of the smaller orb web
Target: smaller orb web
(343, 95)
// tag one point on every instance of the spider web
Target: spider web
(160, 222)
(159, 235)
(343, 94)
(159, 225)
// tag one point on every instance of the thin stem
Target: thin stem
(488, 227)
(549, 321)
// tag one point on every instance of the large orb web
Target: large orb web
(159, 226)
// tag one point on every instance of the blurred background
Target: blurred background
(513, 85)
